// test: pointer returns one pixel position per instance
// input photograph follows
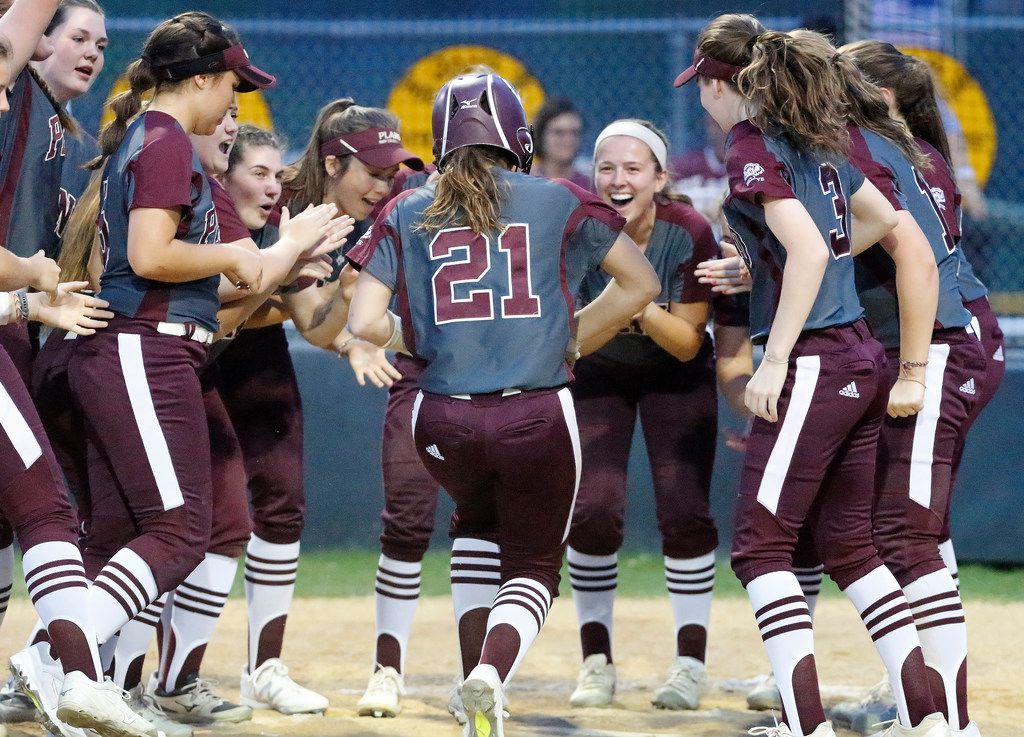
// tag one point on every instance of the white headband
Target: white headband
(639, 132)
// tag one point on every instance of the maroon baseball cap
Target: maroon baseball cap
(709, 67)
(378, 147)
(233, 58)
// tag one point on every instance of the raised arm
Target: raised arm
(23, 26)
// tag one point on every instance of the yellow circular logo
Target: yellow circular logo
(412, 98)
(968, 101)
(252, 107)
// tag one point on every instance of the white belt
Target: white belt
(504, 393)
(186, 330)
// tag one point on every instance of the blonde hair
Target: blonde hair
(467, 192)
(80, 233)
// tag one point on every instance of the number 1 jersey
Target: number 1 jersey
(494, 311)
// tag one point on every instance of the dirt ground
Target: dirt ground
(329, 648)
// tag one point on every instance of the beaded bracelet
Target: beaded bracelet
(912, 364)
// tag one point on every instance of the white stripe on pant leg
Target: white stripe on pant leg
(774, 477)
(18, 431)
(923, 451)
(129, 349)
(569, 412)
(416, 412)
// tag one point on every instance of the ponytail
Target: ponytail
(80, 233)
(125, 106)
(468, 192)
(784, 70)
(69, 124)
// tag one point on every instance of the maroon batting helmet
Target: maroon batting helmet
(481, 110)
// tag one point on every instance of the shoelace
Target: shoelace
(202, 691)
(776, 730)
(380, 681)
(148, 703)
(681, 676)
(592, 675)
(885, 727)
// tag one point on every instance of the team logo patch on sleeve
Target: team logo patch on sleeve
(939, 196)
(752, 173)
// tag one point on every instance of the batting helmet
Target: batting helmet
(481, 110)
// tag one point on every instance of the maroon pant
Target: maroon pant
(512, 466)
(33, 498)
(995, 368)
(148, 447)
(915, 456)
(261, 393)
(15, 341)
(817, 463)
(678, 409)
(410, 493)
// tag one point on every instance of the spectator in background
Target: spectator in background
(556, 134)
(699, 173)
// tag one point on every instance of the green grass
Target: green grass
(351, 573)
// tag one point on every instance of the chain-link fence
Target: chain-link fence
(623, 67)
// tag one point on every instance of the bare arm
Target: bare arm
(634, 284)
(319, 313)
(369, 318)
(23, 26)
(734, 364)
(155, 253)
(872, 217)
(679, 330)
(36, 271)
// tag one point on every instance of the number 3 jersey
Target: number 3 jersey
(495, 311)
(768, 167)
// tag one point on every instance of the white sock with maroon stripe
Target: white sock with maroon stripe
(810, 583)
(55, 577)
(397, 594)
(132, 644)
(939, 618)
(949, 558)
(6, 578)
(475, 576)
(886, 615)
(689, 582)
(594, 579)
(195, 609)
(270, 570)
(785, 623)
(517, 615)
(122, 589)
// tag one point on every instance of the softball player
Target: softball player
(487, 409)
(663, 368)
(819, 389)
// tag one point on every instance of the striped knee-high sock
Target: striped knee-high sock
(123, 588)
(56, 582)
(195, 609)
(270, 571)
(810, 583)
(517, 615)
(886, 615)
(939, 618)
(690, 582)
(132, 644)
(594, 579)
(397, 594)
(6, 578)
(785, 623)
(949, 558)
(476, 575)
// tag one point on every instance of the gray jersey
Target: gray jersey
(768, 167)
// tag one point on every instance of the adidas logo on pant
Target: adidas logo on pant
(968, 387)
(434, 451)
(850, 390)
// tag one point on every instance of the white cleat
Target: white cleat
(682, 688)
(971, 730)
(197, 703)
(765, 696)
(484, 702)
(455, 707)
(595, 685)
(101, 707)
(270, 687)
(782, 730)
(933, 725)
(146, 707)
(40, 678)
(383, 694)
